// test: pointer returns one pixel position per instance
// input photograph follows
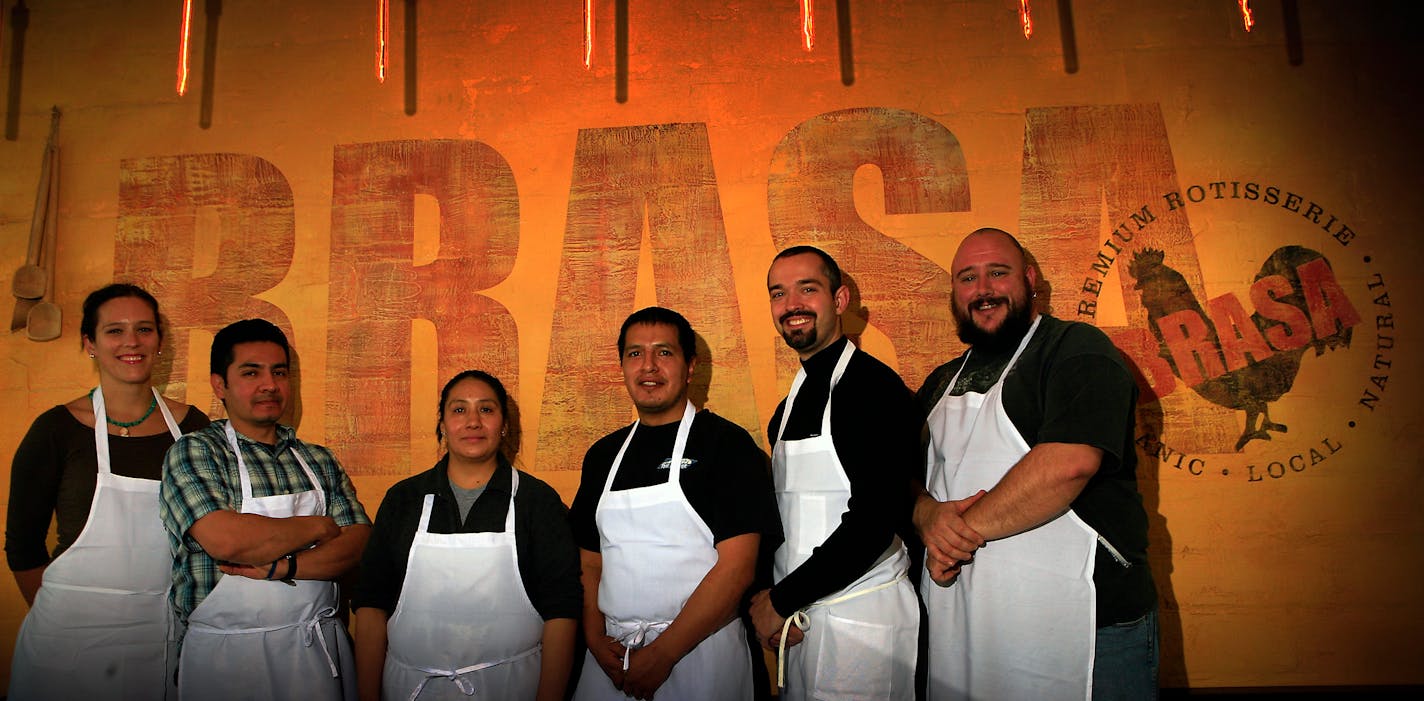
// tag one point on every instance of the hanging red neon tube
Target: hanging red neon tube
(1246, 20)
(587, 34)
(183, 47)
(1026, 17)
(383, 38)
(808, 25)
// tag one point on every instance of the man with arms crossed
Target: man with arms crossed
(669, 516)
(842, 613)
(259, 522)
(1031, 450)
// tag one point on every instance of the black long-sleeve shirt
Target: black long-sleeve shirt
(875, 427)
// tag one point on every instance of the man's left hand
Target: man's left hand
(768, 622)
(248, 571)
(648, 668)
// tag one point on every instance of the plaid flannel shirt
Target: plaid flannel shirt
(200, 476)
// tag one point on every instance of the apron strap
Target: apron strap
(638, 637)
(101, 428)
(802, 621)
(425, 509)
(310, 629)
(457, 676)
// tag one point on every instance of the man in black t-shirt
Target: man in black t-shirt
(1030, 450)
(669, 518)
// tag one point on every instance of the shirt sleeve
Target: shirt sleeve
(341, 502)
(743, 498)
(193, 487)
(1087, 394)
(34, 491)
(590, 490)
(387, 552)
(875, 426)
(548, 557)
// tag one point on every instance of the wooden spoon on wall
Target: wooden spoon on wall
(44, 320)
(30, 280)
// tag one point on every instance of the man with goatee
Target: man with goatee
(846, 446)
(1031, 456)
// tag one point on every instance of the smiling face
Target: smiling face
(126, 340)
(656, 373)
(255, 388)
(472, 421)
(992, 286)
(804, 307)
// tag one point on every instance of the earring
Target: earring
(160, 350)
(503, 432)
(91, 356)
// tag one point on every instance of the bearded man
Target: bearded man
(1031, 456)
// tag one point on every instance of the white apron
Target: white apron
(254, 639)
(99, 625)
(1019, 622)
(464, 626)
(860, 642)
(656, 550)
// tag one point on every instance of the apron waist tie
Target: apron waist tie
(802, 621)
(457, 676)
(638, 636)
(102, 590)
(310, 628)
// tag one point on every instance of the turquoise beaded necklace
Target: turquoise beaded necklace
(124, 426)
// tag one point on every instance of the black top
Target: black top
(875, 427)
(548, 560)
(54, 473)
(1072, 386)
(724, 477)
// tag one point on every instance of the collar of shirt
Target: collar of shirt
(286, 436)
(439, 481)
(823, 362)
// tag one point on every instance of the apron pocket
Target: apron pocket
(854, 660)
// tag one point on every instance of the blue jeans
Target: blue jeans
(1125, 660)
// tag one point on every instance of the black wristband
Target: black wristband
(291, 567)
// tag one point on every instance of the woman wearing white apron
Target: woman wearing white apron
(284, 630)
(860, 642)
(1019, 622)
(656, 550)
(98, 625)
(465, 624)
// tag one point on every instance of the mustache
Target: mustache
(800, 312)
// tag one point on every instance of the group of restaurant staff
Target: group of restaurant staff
(198, 560)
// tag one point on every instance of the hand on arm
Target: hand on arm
(768, 622)
(712, 604)
(370, 652)
(556, 659)
(605, 650)
(328, 560)
(1038, 488)
(250, 539)
(949, 541)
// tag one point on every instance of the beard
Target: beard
(802, 338)
(1009, 333)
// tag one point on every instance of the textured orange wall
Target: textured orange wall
(521, 212)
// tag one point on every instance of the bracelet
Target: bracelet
(291, 559)
(271, 570)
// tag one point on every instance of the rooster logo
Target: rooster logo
(1242, 362)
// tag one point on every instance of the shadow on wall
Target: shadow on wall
(1173, 670)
